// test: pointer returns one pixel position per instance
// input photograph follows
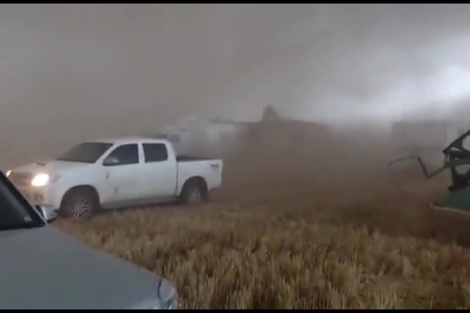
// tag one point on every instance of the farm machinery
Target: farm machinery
(457, 160)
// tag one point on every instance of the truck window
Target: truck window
(155, 152)
(126, 154)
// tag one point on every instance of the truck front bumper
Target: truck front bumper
(39, 196)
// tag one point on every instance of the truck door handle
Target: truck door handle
(215, 165)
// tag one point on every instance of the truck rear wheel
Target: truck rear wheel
(194, 193)
(79, 204)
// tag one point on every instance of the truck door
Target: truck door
(124, 173)
(161, 170)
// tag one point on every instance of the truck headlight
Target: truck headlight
(8, 173)
(40, 180)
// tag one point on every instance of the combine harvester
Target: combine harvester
(456, 156)
(202, 137)
(222, 138)
(277, 138)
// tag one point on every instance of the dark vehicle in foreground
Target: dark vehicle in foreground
(43, 268)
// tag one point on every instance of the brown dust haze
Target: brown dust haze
(73, 72)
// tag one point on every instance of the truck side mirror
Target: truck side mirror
(110, 160)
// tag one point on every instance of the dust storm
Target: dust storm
(308, 216)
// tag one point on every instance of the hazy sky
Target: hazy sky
(73, 71)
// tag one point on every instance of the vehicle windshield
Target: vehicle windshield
(86, 152)
(15, 211)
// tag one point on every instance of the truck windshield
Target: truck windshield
(86, 152)
(15, 211)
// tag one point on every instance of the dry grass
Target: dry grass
(283, 234)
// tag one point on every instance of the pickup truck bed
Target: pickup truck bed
(209, 169)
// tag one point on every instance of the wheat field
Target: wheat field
(318, 229)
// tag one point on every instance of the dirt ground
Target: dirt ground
(315, 224)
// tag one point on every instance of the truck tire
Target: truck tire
(79, 204)
(194, 193)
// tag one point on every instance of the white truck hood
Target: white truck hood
(46, 269)
(52, 166)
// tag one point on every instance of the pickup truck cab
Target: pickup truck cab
(43, 268)
(116, 173)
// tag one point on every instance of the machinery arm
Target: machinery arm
(427, 174)
(454, 155)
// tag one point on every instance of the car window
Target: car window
(155, 152)
(15, 211)
(126, 154)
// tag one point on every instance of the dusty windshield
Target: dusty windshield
(86, 152)
(15, 212)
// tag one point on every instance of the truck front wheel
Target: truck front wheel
(79, 204)
(194, 193)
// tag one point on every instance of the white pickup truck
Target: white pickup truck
(116, 173)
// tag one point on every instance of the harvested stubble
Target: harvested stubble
(288, 237)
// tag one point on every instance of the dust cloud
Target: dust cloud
(73, 72)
